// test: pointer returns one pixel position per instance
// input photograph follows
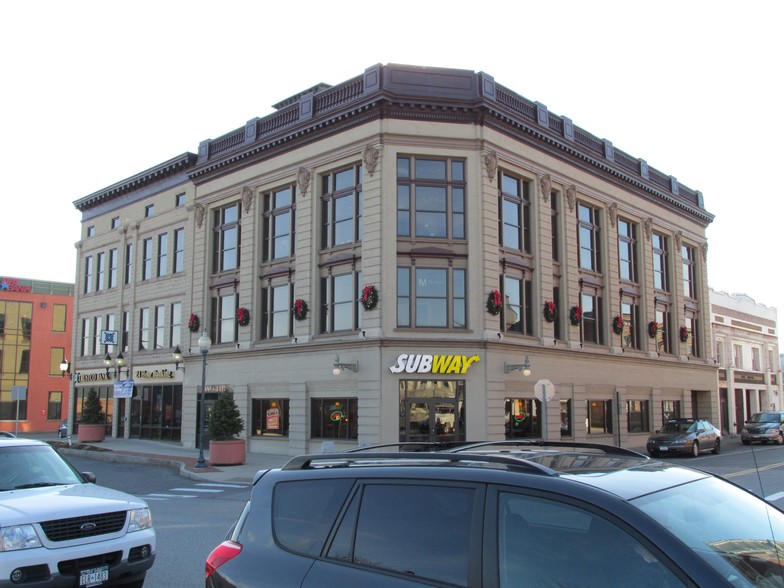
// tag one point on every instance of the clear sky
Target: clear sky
(96, 91)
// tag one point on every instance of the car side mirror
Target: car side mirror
(88, 477)
(657, 430)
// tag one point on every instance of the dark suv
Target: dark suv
(498, 515)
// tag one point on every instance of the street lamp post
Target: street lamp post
(204, 346)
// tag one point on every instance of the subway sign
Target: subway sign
(432, 364)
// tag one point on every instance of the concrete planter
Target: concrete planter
(91, 433)
(230, 452)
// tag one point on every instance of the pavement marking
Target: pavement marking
(222, 485)
(753, 470)
(168, 496)
(205, 490)
(775, 496)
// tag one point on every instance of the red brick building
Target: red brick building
(35, 337)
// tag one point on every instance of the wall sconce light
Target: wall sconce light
(117, 364)
(338, 367)
(524, 367)
(177, 357)
(65, 368)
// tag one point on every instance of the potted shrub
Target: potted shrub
(92, 423)
(224, 427)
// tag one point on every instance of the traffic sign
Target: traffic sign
(544, 390)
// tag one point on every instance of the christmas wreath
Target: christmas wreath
(194, 323)
(550, 312)
(243, 316)
(576, 314)
(617, 324)
(653, 329)
(369, 297)
(494, 302)
(684, 334)
(300, 309)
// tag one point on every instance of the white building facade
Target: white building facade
(377, 261)
(747, 353)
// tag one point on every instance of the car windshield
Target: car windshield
(766, 417)
(677, 427)
(737, 533)
(34, 466)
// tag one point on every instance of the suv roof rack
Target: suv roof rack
(419, 458)
(527, 443)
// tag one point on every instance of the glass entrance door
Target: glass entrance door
(431, 419)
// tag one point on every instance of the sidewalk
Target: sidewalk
(164, 453)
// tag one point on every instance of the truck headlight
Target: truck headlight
(18, 537)
(138, 519)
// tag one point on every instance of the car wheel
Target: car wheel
(745, 442)
(716, 447)
(695, 449)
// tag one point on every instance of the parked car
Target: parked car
(501, 515)
(58, 528)
(689, 436)
(763, 427)
(7, 435)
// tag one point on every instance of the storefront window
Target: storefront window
(333, 418)
(522, 418)
(270, 417)
(638, 421)
(599, 417)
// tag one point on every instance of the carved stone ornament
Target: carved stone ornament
(491, 164)
(546, 186)
(247, 198)
(571, 196)
(648, 226)
(370, 158)
(199, 211)
(613, 210)
(678, 237)
(704, 248)
(303, 180)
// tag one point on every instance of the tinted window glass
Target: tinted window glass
(303, 512)
(426, 531)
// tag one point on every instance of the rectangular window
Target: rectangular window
(692, 336)
(627, 250)
(59, 318)
(516, 313)
(226, 238)
(599, 417)
(112, 268)
(638, 417)
(270, 417)
(431, 297)
(629, 329)
(175, 326)
(163, 252)
(689, 272)
(660, 268)
(340, 307)
(24, 361)
(126, 330)
(144, 329)
(522, 418)
(128, 263)
(555, 219)
(146, 259)
(179, 250)
(56, 355)
(671, 409)
(566, 417)
(738, 356)
(149, 210)
(179, 200)
(98, 327)
(160, 327)
(276, 305)
(592, 331)
(341, 207)
(333, 418)
(514, 211)
(588, 235)
(54, 407)
(100, 274)
(663, 344)
(224, 318)
(430, 198)
(115, 223)
(86, 337)
(278, 224)
(88, 274)
(91, 231)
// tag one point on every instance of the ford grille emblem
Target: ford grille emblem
(88, 526)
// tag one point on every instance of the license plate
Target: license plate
(663, 448)
(94, 576)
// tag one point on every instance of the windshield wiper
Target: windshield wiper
(40, 485)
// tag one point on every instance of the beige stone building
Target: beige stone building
(746, 350)
(401, 245)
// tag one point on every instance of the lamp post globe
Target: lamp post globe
(204, 346)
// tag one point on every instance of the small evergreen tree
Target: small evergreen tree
(92, 410)
(225, 420)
